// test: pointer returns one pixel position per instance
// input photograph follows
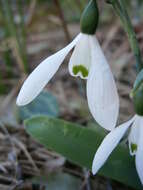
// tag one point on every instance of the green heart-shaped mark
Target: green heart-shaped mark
(133, 147)
(80, 68)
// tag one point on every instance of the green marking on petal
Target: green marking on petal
(133, 147)
(80, 68)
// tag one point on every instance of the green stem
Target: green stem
(22, 32)
(120, 9)
(11, 28)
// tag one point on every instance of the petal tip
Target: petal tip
(21, 100)
(95, 164)
(93, 170)
(18, 101)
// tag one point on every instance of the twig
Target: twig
(109, 186)
(60, 12)
(31, 12)
(14, 47)
(86, 182)
(79, 4)
(73, 172)
(110, 35)
(23, 148)
(15, 162)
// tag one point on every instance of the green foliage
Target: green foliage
(11, 30)
(79, 145)
(45, 104)
(89, 18)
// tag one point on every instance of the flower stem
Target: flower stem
(120, 8)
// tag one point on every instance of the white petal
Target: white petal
(102, 93)
(108, 145)
(134, 136)
(139, 154)
(81, 58)
(42, 74)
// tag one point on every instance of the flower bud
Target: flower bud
(89, 18)
(137, 94)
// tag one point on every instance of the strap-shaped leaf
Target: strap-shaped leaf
(79, 145)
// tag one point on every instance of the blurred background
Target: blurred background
(30, 31)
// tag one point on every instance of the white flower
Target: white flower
(135, 139)
(88, 62)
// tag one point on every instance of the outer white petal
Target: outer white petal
(42, 74)
(134, 135)
(139, 153)
(81, 56)
(102, 93)
(108, 145)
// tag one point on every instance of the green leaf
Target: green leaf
(44, 104)
(79, 144)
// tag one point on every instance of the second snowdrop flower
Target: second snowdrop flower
(135, 140)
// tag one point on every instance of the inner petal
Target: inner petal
(134, 136)
(80, 60)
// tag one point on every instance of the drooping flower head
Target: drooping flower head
(88, 62)
(135, 141)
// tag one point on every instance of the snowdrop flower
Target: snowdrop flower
(88, 62)
(135, 140)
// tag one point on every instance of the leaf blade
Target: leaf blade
(79, 145)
